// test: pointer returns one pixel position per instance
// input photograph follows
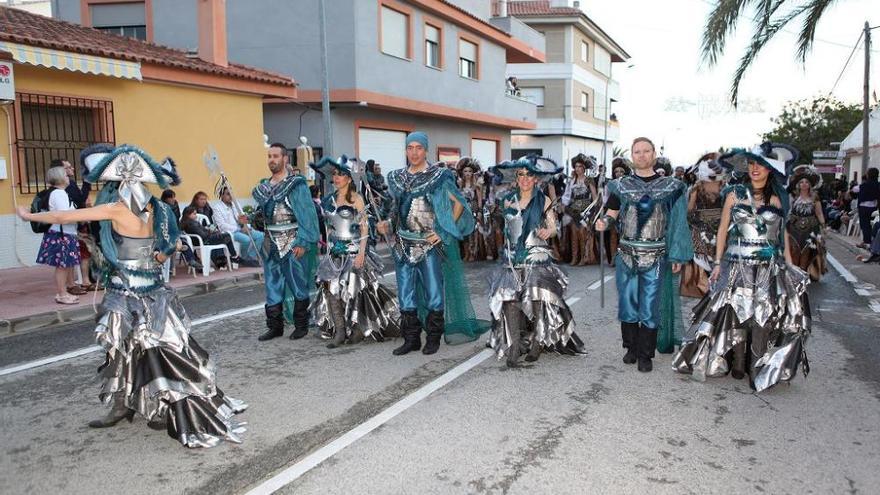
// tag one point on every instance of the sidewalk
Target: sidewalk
(27, 302)
(844, 249)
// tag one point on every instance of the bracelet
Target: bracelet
(609, 221)
(716, 263)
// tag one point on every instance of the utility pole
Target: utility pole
(866, 111)
(325, 82)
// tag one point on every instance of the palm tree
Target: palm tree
(771, 16)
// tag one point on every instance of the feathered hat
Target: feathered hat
(777, 157)
(802, 172)
(542, 167)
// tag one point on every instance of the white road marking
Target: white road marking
(875, 305)
(846, 274)
(595, 285)
(863, 292)
(94, 348)
(306, 464)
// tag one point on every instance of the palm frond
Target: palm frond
(814, 10)
(721, 23)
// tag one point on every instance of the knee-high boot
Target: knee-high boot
(274, 322)
(515, 322)
(117, 413)
(647, 343)
(337, 316)
(535, 343)
(433, 331)
(738, 366)
(300, 319)
(411, 329)
(629, 333)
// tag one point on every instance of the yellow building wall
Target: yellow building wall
(164, 120)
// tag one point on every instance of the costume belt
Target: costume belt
(413, 247)
(641, 254)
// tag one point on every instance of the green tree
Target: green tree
(770, 17)
(811, 125)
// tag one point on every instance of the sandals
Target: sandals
(76, 290)
(89, 287)
(66, 299)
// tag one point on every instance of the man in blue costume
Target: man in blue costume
(286, 214)
(651, 212)
(429, 214)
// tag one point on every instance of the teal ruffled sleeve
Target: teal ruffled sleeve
(307, 218)
(165, 228)
(679, 245)
(449, 229)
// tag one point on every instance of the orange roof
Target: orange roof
(541, 8)
(18, 26)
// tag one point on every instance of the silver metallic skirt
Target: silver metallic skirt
(370, 309)
(162, 371)
(763, 304)
(539, 290)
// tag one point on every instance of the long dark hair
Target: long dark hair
(349, 191)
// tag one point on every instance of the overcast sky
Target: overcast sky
(669, 97)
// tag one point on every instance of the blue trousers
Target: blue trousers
(425, 276)
(289, 272)
(244, 243)
(638, 293)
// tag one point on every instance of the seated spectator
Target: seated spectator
(60, 247)
(210, 235)
(235, 225)
(169, 197)
(200, 202)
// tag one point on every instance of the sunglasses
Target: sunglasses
(525, 174)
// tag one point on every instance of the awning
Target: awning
(76, 62)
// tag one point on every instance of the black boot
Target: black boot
(117, 413)
(338, 319)
(411, 329)
(534, 345)
(274, 321)
(515, 322)
(300, 319)
(629, 332)
(646, 344)
(738, 367)
(433, 332)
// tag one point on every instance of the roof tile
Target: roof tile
(539, 7)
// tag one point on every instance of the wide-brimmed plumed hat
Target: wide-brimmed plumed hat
(544, 168)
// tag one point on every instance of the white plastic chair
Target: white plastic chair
(203, 219)
(205, 251)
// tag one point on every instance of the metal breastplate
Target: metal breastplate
(344, 224)
(421, 216)
(282, 231)
(537, 249)
(748, 239)
(653, 230)
(138, 267)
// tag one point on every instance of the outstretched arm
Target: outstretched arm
(110, 211)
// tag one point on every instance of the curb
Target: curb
(48, 319)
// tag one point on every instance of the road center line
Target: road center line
(846, 274)
(306, 464)
(595, 285)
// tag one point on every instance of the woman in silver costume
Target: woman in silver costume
(755, 319)
(580, 195)
(153, 366)
(806, 223)
(527, 289)
(475, 247)
(704, 216)
(351, 303)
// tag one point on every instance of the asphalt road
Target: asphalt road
(564, 425)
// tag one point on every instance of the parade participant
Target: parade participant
(287, 216)
(497, 191)
(351, 303)
(580, 195)
(429, 218)
(527, 289)
(651, 212)
(153, 366)
(704, 215)
(757, 315)
(475, 246)
(806, 222)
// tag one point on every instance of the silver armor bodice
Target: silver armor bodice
(282, 231)
(421, 216)
(753, 237)
(138, 266)
(642, 248)
(537, 249)
(344, 224)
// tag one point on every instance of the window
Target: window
(585, 51)
(534, 95)
(484, 150)
(125, 19)
(432, 46)
(585, 102)
(395, 33)
(467, 59)
(56, 127)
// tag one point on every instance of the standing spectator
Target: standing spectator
(169, 197)
(236, 225)
(60, 247)
(79, 196)
(869, 198)
(200, 202)
(512, 86)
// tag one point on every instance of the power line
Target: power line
(848, 59)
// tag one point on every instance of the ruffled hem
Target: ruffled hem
(765, 307)
(163, 374)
